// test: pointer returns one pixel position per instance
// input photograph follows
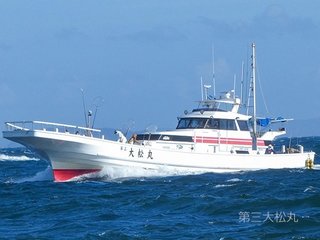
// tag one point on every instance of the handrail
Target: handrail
(66, 125)
(58, 127)
(11, 124)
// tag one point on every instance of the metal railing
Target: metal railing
(52, 127)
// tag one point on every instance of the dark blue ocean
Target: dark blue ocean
(272, 204)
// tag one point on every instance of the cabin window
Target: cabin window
(223, 124)
(243, 125)
(192, 123)
(213, 124)
(141, 137)
(227, 124)
(232, 125)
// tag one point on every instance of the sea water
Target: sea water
(268, 204)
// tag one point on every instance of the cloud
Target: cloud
(276, 20)
(273, 21)
(157, 34)
(70, 33)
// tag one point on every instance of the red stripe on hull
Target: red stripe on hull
(61, 175)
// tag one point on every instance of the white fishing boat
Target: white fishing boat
(215, 137)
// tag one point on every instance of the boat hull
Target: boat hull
(74, 155)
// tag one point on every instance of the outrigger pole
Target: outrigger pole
(84, 108)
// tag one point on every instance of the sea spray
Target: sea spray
(45, 175)
(127, 173)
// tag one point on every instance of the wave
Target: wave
(45, 175)
(316, 167)
(235, 180)
(18, 154)
(5, 157)
(128, 173)
(223, 185)
(311, 189)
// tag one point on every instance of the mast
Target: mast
(234, 85)
(213, 73)
(241, 86)
(201, 88)
(254, 134)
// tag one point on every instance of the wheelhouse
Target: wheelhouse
(213, 123)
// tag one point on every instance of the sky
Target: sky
(140, 61)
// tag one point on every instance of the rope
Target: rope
(260, 87)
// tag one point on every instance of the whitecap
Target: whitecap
(311, 189)
(223, 185)
(45, 175)
(4, 157)
(127, 173)
(235, 180)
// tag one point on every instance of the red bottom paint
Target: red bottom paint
(61, 175)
